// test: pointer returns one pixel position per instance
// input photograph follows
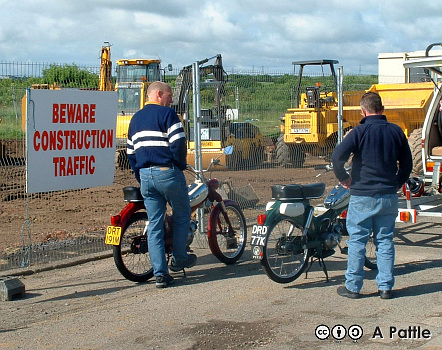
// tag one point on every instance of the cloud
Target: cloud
(250, 33)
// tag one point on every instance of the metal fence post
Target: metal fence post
(340, 103)
(197, 115)
(197, 135)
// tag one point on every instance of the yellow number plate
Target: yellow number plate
(113, 235)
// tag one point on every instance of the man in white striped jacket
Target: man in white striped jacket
(156, 148)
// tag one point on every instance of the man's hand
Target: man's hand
(346, 183)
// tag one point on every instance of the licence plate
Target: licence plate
(258, 240)
(113, 235)
(301, 131)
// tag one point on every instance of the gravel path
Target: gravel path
(91, 306)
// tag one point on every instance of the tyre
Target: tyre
(415, 143)
(370, 254)
(284, 258)
(282, 151)
(132, 255)
(227, 245)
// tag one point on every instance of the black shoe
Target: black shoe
(163, 281)
(344, 292)
(181, 265)
(385, 294)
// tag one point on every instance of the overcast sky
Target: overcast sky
(249, 34)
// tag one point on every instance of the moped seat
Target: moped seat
(132, 194)
(297, 192)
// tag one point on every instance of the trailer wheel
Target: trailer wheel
(415, 143)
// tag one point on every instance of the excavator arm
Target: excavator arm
(183, 83)
(105, 82)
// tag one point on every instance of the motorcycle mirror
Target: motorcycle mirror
(228, 150)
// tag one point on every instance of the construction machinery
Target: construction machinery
(218, 129)
(218, 126)
(133, 78)
(312, 125)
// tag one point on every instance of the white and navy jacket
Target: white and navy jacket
(156, 137)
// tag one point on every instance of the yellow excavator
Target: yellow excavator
(133, 78)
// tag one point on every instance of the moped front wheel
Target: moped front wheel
(284, 258)
(227, 232)
(132, 255)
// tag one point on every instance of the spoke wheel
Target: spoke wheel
(227, 245)
(284, 259)
(132, 256)
(370, 254)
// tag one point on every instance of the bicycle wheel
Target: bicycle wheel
(284, 259)
(226, 244)
(132, 255)
(370, 254)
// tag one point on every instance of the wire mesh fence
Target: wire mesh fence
(254, 110)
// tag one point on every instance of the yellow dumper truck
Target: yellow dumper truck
(312, 125)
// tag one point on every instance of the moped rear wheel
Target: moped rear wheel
(132, 256)
(226, 244)
(284, 259)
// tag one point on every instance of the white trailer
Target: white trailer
(429, 204)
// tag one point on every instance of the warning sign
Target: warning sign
(70, 139)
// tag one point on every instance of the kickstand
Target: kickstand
(321, 263)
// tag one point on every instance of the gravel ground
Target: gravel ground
(91, 306)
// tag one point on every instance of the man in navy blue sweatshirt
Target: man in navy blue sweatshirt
(157, 150)
(381, 164)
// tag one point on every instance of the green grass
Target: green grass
(10, 125)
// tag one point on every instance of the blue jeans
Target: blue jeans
(160, 186)
(367, 214)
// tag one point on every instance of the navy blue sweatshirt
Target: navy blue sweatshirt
(156, 137)
(382, 160)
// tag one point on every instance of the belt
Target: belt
(162, 166)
